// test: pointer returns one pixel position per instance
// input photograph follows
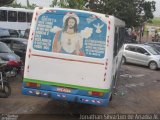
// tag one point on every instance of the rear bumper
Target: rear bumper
(66, 97)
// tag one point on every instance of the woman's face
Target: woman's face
(71, 23)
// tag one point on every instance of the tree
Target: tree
(15, 4)
(30, 6)
(128, 10)
(5, 2)
(133, 12)
(19, 5)
(74, 4)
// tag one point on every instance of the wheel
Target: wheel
(123, 60)
(14, 72)
(153, 65)
(6, 91)
(110, 98)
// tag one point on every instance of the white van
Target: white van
(73, 55)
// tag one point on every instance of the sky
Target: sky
(46, 3)
(157, 12)
(43, 3)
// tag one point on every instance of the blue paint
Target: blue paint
(90, 46)
(75, 95)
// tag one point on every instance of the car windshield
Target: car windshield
(152, 50)
(4, 48)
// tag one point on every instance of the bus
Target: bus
(73, 55)
(18, 19)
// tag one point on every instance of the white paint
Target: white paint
(74, 72)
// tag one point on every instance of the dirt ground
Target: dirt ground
(138, 91)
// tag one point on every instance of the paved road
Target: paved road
(138, 91)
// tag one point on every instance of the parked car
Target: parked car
(141, 54)
(12, 60)
(18, 45)
(155, 45)
(8, 33)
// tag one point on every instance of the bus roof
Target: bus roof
(116, 20)
(16, 9)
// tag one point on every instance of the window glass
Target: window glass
(4, 32)
(121, 37)
(4, 48)
(115, 42)
(141, 50)
(130, 48)
(13, 33)
(21, 17)
(118, 39)
(8, 42)
(152, 50)
(26, 33)
(12, 16)
(16, 45)
(3, 15)
(29, 17)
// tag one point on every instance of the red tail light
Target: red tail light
(30, 84)
(13, 63)
(97, 94)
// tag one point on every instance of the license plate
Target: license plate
(61, 89)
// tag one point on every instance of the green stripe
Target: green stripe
(66, 85)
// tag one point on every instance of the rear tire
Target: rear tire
(6, 91)
(110, 98)
(14, 72)
(123, 60)
(153, 65)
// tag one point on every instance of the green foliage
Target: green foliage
(15, 4)
(154, 22)
(30, 6)
(74, 4)
(133, 12)
(5, 2)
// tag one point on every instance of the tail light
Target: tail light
(13, 63)
(33, 85)
(96, 94)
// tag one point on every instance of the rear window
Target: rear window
(130, 48)
(3, 15)
(29, 17)
(12, 16)
(4, 48)
(71, 33)
(21, 17)
(152, 50)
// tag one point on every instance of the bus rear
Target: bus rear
(67, 56)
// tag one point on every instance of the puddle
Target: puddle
(132, 76)
(134, 85)
(157, 81)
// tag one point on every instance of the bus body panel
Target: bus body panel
(88, 70)
(15, 26)
(19, 19)
(67, 72)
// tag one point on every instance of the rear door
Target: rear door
(142, 56)
(130, 54)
